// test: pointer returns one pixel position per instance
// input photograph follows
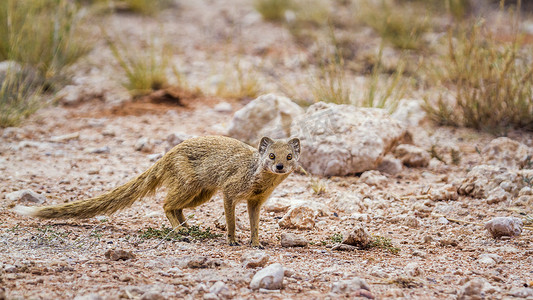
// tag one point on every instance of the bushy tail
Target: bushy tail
(108, 203)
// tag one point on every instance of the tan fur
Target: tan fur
(192, 172)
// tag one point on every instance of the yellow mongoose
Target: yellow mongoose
(192, 172)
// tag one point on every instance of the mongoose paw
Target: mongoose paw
(234, 243)
(257, 246)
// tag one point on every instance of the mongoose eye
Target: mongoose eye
(272, 156)
(289, 157)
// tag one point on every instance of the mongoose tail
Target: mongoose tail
(108, 203)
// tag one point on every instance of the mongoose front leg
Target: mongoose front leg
(229, 211)
(253, 212)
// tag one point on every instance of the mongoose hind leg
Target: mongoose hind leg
(229, 211)
(176, 218)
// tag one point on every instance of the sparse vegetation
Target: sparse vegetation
(491, 83)
(239, 83)
(383, 243)
(318, 186)
(272, 10)
(20, 96)
(336, 238)
(180, 234)
(145, 70)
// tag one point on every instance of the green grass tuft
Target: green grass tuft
(383, 243)
(181, 234)
(272, 10)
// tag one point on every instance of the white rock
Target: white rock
(255, 259)
(89, 297)
(412, 156)
(410, 112)
(268, 115)
(412, 269)
(521, 292)
(299, 217)
(442, 193)
(472, 290)
(270, 278)
(489, 259)
(144, 144)
(374, 178)
(293, 240)
(223, 107)
(505, 152)
(176, 138)
(219, 287)
(442, 221)
(348, 286)
(358, 237)
(98, 150)
(504, 226)
(497, 195)
(412, 221)
(484, 178)
(26, 196)
(338, 140)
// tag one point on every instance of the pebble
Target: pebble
(349, 286)
(88, 297)
(119, 255)
(489, 259)
(26, 196)
(152, 296)
(98, 150)
(358, 237)
(223, 107)
(442, 221)
(144, 144)
(255, 259)
(504, 226)
(521, 292)
(412, 269)
(293, 240)
(270, 278)
(472, 289)
(202, 262)
(155, 156)
(300, 217)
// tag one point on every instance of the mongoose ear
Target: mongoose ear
(264, 144)
(295, 144)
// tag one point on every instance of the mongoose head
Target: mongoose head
(279, 156)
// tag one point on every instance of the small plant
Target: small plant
(272, 10)
(318, 186)
(239, 83)
(43, 34)
(383, 243)
(336, 238)
(143, 7)
(491, 83)
(456, 156)
(400, 24)
(20, 96)
(181, 234)
(145, 70)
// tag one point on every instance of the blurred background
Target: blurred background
(469, 62)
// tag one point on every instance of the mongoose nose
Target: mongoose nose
(279, 167)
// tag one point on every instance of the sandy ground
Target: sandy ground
(64, 259)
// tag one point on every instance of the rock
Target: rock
(174, 139)
(9, 66)
(26, 196)
(483, 179)
(293, 240)
(410, 112)
(374, 178)
(98, 150)
(210, 296)
(202, 262)
(268, 115)
(219, 288)
(144, 144)
(279, 204)
(505, 152)
(256, 259)
(87, 297)
(340, 140)
(151, 295)
(497, 195)
(65, 137)
(223, 107)
(299, 217)
(471, 290)
(442, 221)
(349, 286)
(412, 269)
(412, 156)
(489, 259)
(390, 165)
(154, 157)
(504, 226)
(270, 278)
(521, 292)
(10, 268)
(93, 86)
(412, 221)
(443, 193)
(118, 255)
(358, 237)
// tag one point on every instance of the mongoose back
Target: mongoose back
(192, 172)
